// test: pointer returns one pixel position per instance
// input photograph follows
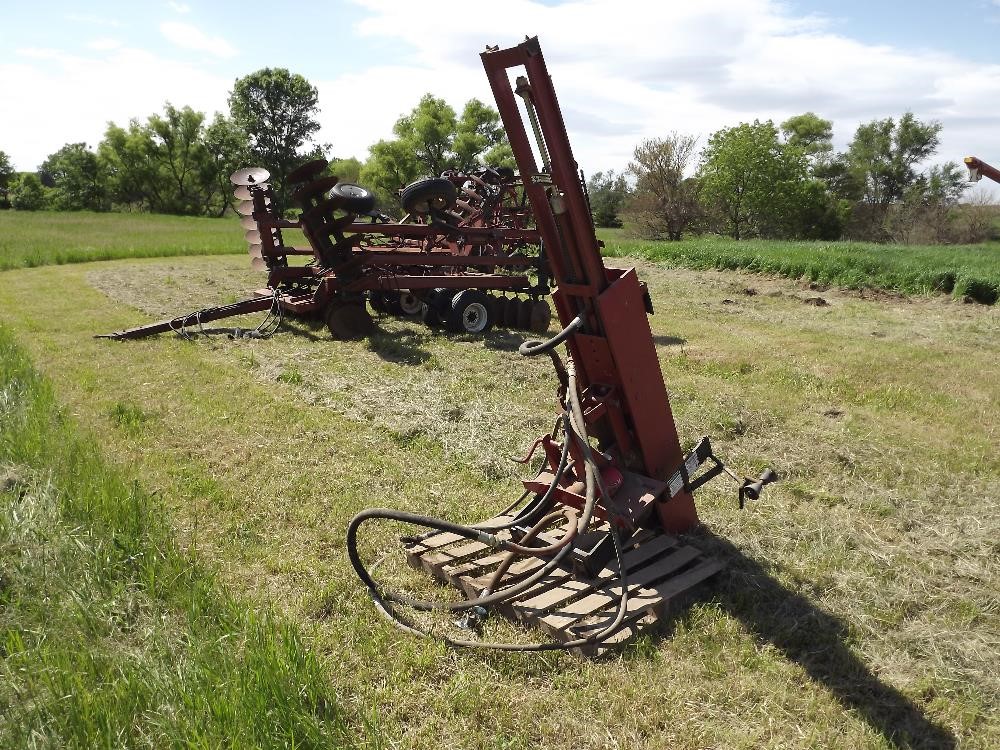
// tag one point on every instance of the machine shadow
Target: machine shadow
(816, 641)
(663, 340)
(402, 347)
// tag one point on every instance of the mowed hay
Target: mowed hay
(859, 607)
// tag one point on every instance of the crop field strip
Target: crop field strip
(875, 413)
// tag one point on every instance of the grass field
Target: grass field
(44, 238)
(971, 271)
(41, 238)
(860, 603)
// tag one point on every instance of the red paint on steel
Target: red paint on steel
(982, 168)
(611, 302)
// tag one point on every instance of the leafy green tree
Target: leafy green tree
(880, 170)
(884, 155)
(227, 148)
(608, 192)
(26, 193)
(432, 139)
(173, 163)
(809, 133)
(6, 177)
(750, 180)
(277, 110)
(78, 179)
(347, 170)
(665, 203)
(132, 178)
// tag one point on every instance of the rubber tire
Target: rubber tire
(409, 303)
(348, 321)
(421, 197)
(353, 198)
(471, 312)
(429, 315)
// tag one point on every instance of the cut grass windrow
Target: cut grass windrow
(110, 635)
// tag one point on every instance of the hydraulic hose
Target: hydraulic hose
(384, 603)
(534, 348)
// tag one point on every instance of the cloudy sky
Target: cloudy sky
(624, 70)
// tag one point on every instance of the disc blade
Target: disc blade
(258, 264)
(253, 237)
(244, 208)
(249, 176)
(248, 222)
(243, 193)
(255, 251)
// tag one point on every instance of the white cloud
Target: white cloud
(191, 37)
(94, 20)
(58, 90)
(104, 44)
(179, 7)
(628, 71)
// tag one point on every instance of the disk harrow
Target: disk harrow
(465, 257)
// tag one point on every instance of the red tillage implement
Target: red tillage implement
(614, 485)
(466, 234)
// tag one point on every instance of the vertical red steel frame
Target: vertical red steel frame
(616, 348)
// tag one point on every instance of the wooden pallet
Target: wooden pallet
(661, 571)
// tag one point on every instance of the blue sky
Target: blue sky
(624, 69)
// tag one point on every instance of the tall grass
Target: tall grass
(110, 636)
(29, 239)
(971, 271)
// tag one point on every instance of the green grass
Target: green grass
(859, 606)
(41, 238)
(110, 634)
(971, 271)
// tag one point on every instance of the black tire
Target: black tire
(471, 312)
(353, 198)
(429, 315)
(435, 193)
(379, 301)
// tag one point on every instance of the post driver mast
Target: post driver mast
(617, 477)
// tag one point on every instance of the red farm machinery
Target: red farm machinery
(466, 255)
(590, 557)
(978, 169)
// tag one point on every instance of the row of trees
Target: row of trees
(752, 180)
(179, 162)
(760, 180)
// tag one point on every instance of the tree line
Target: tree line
(753, 180)
(179, 162)
(786, 182)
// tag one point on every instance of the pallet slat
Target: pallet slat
(660, 571)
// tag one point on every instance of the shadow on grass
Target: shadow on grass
(402, 347)
(816, 641)
(662, 340)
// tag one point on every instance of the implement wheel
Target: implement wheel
(349, 320)
(409, 303)
(471, 312)
(424, 195)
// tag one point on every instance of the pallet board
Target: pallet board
(661, 571)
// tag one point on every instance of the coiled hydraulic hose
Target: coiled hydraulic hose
(593, 482)
(534, 348)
